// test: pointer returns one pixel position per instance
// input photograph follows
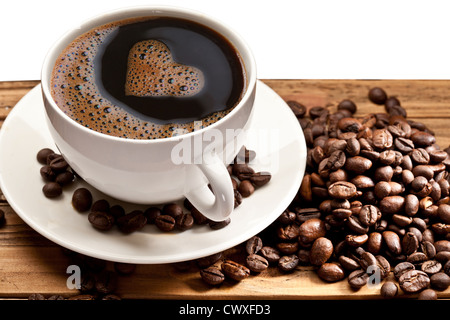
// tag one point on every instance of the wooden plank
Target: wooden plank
(29, 263)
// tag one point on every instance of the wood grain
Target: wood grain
(29, 263)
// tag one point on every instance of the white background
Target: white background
(316, 39)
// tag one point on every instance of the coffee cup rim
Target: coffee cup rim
(142, 11)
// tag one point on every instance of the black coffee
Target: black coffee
(148, 78)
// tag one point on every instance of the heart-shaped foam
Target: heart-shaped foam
(152, 72)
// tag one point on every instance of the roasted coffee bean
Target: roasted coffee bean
(288, 263)
(237, 199)
(216, 225)
(384, 173)
(410, 243)
(208, 261)
(184, 221)
(427, 294)
(242, 171)
(347, 104)
(444, 213)
(402, 267)
(382, 189)
(389, 289)
(253, 245)
(342, 190)
(411, 205)
(317, 111)
(377, 95)
(392, 204)
(117, 211)
(348, 263)
(64, 178)
(47, 173)
(288, 247)
(368, 215)
(356, 240)
(358, 164)
(100, 205)
(417, 258)
(234, 270)
(287, 217)
(271, 254)
(165, 222)
(414, 281)
(311, 229)
(82, 199)
(296, 107)
(382, 139)
(392, 241)
(199, 218)
(212, 275)
(52, 190)
(367, 259)
(101, 220)
(106, 282)
(404, 145)
(374, 243)
(440, 281)
(131, 222)
(331, 272)
(423, 170)
(289, 232)
(355, 225)
(172, 209)
(321, 251)
(151, 214)
(428, 249)
(260, 179)
(43, 154)
(36, 296)
(423, 139)
(257, 263)
(246, 188)
(420, 156)
(357, 279)
(431, 267)
(58, 164)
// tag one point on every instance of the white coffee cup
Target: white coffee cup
(145, 171)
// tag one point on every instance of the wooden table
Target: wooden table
(29, 263)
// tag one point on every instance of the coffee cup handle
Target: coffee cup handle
(218, 204)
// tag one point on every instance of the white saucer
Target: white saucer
(25, 132)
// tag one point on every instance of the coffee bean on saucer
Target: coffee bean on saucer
(259, 179)
(47, 173)
(246, 188)
(82, 199)
(152, 213)
(117, 211)
(165, 222)
(43, 154)
(296, 107)
(100, 205)
(184, 221)
(199, 218)
(242, 171)
(172, 209)
(59, 164)
(216, 225)
(377, 95)
(101, 220)
(52, 190)
(131, 222)
(64, 178)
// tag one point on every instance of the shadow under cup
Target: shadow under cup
(160, 170)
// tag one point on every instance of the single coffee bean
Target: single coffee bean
(117, 211)
(82, 199)
(431, 267)
(59, 164)
(101, 220)
(410, 243)
(321, 251)
(296, 107)
(402, 267)
(212, 276)
(384, 173)
(392, 241)
(348, 263)
(444, 213)
(404, 145)
(331, 272)
(235, 270)
(131, 222)
(52, 190)
(374, 243)
(392, 204)
(411, 205)
(382, 139)
(420, 156)
(311, 229)
(389, 289)
(414, 281)
(417, 258)
(356, 240)
(368, 215)
(47, 173)
(357, 279)
(242, 171)
(423, 139)
(165, 222)
(253, 245)
(260, 179)
(172, 209)
(257, 263)
(208, 261)
(43, 154)
(151, 214)
(271, 254)
(342, 190)
(216, 225)
(288, 263)
(427, 294)
(367, 259)
(184, 221)
(358, 164)
(377, 95)
(246, 188)
(440, 281)
(347, 105)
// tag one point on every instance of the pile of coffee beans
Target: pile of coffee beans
(103, 216)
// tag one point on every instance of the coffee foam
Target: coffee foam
(76, 93)
(152, 72)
